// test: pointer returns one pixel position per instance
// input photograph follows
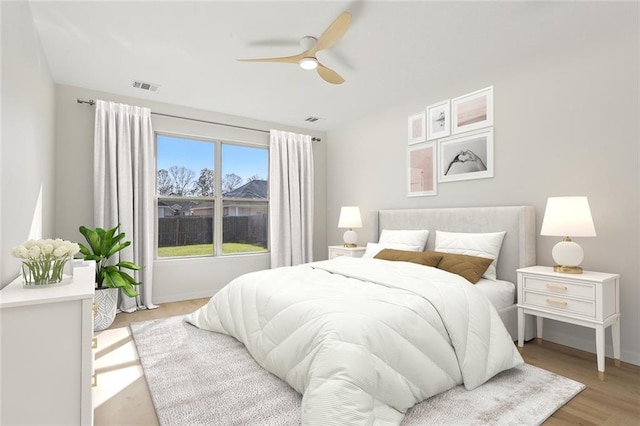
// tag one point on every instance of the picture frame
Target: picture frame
(416, 128)
(422, 179)
(439, 120)
(465, 157)
(472, 111)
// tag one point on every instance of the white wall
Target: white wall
(27, 166)
(175, 279)
(565, 124)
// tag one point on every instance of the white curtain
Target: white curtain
(290, 198)
(124, 185)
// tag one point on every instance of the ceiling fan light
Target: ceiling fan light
(308, 63)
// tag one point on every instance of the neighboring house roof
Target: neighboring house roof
(255, 189)
(180, 206)
(203, 205)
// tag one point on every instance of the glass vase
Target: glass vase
(46, 272)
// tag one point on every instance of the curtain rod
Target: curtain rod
(92, 103)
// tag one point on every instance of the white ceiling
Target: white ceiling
(393, 51)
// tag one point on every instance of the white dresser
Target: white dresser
(47, 360)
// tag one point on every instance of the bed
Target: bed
(363, 340)
(518, 246)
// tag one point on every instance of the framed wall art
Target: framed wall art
(472, 111)
(421, 170)
(438, 120)
(417, 128)
(465, 157)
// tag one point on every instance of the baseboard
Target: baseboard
(587, 345)
(181, 297)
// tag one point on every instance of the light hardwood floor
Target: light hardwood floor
(122, 396)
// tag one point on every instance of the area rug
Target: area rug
(197, 377)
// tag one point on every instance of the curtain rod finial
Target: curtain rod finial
(89, 102)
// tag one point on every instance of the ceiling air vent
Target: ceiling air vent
(311, 119)
(145, 86)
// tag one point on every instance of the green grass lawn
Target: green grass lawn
(207, 249)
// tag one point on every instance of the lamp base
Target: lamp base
(567, 255)
(567, 269)
(350, 238)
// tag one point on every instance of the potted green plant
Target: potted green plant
(101, 246)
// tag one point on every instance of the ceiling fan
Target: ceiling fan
(307, 59)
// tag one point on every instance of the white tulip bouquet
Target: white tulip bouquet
(43, 261)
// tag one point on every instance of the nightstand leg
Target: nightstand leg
(521, 318)
(600, 350)
(615, 335)
(539, 322)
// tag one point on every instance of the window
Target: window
(212, 197)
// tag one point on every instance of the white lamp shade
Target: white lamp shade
(350, 218)
(568, 217)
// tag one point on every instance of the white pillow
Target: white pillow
(472, 244)
(406, 237)
(375, 248)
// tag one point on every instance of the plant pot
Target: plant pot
(106, 301)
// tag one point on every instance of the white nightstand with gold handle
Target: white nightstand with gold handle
(337, 251)
(590, 299)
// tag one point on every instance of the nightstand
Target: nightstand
(590, 299)
(336, 251)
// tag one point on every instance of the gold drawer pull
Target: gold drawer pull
(339, 254)
(94, 343)
(94, 380)
(556, 287)
(557, 302)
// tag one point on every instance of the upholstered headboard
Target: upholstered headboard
(519, 222)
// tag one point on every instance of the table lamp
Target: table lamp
(568, 217)
(350, 218)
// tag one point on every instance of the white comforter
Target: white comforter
(359, 352)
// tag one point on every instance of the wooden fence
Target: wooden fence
(189, 230)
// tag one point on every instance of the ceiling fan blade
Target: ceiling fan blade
(334, 32)
(329, 75)
(288, 59)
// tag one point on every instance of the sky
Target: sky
(242, 160)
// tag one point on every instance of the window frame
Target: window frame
(217, 199)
